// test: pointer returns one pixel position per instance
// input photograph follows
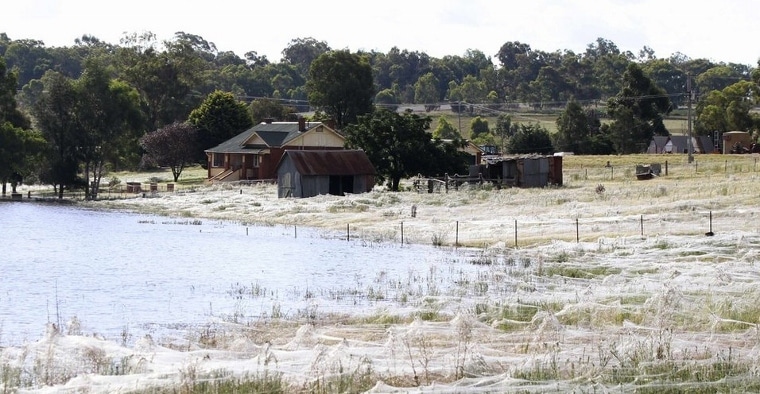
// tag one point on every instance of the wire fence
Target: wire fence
(522, 232)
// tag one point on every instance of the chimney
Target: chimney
(268, 120)
(301, 123)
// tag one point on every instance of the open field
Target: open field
(675, 123)
(606, 284)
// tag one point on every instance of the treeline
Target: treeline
(188, 64)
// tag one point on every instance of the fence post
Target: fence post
(710, 233)
(642, 225)
(402, 233)
(666, 167)
(456, 242)
(348, 232)
(515, 233)
(577, 231)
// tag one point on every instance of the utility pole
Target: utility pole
(690, 144)
(459, 115)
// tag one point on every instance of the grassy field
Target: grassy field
(641, 301)
(677, 124)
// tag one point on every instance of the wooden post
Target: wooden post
(642, 225)
(725, 167)
(577, 231)
(295, 231)
(402, 233)
(666, 167)
(456, 242)
(348, 232)
(246, 231)
(515, 233)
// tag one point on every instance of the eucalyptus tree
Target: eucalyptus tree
(530, 138)
(29, 58)
(264, 108)
(668, 76)
(426, 90)
(609, 63)
(729, 109)
(573, 134)
(637, 111)
(399, 146)
(110, 121)
(718, 78)
(55, 113)
(18, 143)
(301, 52)
(340, 84)
(166, 80)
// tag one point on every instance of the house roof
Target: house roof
(329, 162)
(703, 144)
(273, 135)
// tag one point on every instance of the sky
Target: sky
(724, 31)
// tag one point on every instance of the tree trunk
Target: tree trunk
(394, 183)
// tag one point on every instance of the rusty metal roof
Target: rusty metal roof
(330, 162)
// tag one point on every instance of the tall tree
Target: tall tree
(18, 144)
(220, 117)
(572, 129)
(637, 111)
(728, 109)
(341, 85)
(426, 90)
(56, 118)
(301, 52)
(109, 122)
(399, 146)
(530, 138)
(173, 146)
(269, 108)
(445, 130)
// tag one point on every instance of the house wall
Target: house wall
(317, 140)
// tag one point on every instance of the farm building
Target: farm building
(254, 153)
(679, 144)
(308, 173)
(522, 171)
(734, 141)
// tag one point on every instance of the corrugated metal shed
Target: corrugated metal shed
(308, 173)
(331, 162)
(524, 171)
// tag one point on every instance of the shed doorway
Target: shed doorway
(339, 185)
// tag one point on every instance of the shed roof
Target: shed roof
(330, 162)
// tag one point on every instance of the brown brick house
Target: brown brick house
(254, 153)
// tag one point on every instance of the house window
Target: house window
(218, 160)
(255, 161)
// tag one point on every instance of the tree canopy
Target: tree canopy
(340, 83)
(220, 117)
(399, 146)
(173, 146)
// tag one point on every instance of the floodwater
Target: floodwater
(125, 275)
